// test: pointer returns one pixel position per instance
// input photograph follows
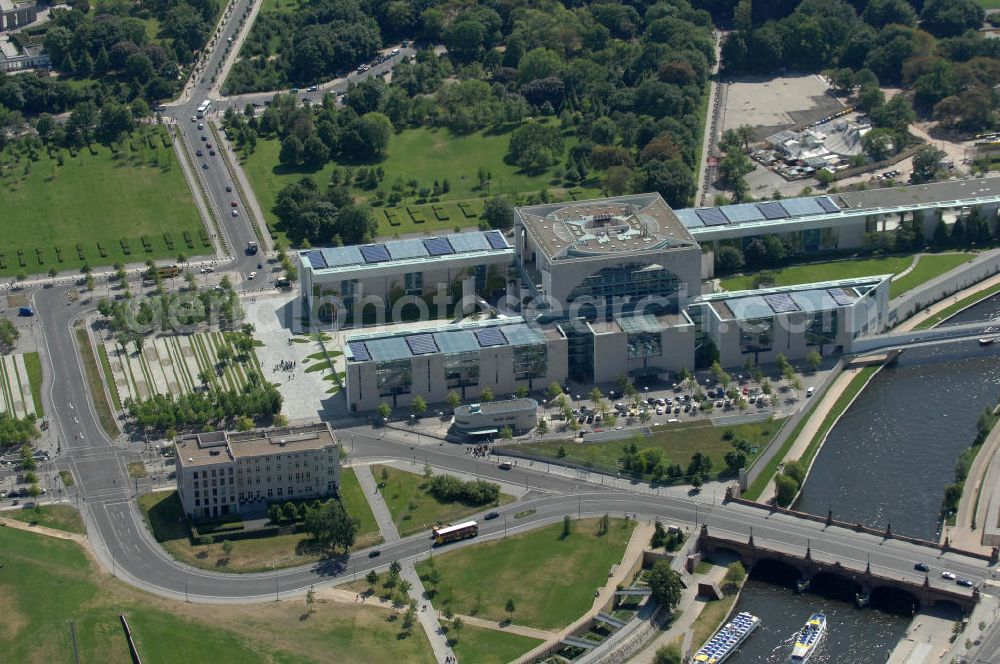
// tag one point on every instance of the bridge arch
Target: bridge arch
(894, 599)
(834, 585)
(774, 570)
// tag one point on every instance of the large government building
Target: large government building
(596, 289)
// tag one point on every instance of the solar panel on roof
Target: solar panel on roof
(491, 336)
(421, 344)
(360, 350)
(712, 216)
(342, 256)
(781, 303)
(375, 253)
(689, 218)
(840, 296)
(798, 207)
(438, 246)
(465, 242)
(827, 204)
(497, 240)
(412, 248)
(741, 213)
(456, 341)
(772, 210)
(315, 259)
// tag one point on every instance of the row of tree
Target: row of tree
(17, 430)
(211, 407)
(448, 488)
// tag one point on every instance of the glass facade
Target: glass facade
(644, 344)
(530, 361)
(462, 369)
(580, 350)
(756, 335)
(632, 280)
(394, 377)
(413, 283)
(822, 328)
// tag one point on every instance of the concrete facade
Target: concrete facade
(642, 346)
(218, 472)
(519, 415)
(382, 368)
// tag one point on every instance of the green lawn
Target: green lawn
(60, 517)
(955, 307)
(353, 498)
(95, 382)
(712, 615)
(413, 509)
(34, 367)
(46, 583)
(989, 4)
(165, 517)
(928, 267)
(489, 646)
(282, 6)
(421, 153)
(551, 579)
(96, 202)
(677, 443)
(841, 269)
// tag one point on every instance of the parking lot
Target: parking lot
(770, 105)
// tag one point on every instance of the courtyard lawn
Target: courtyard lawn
(424, 154)
(46, 583)
(926, 269)
(811, 272)
(489, 646)
(413, 509)
(165, 518)
(96, 209)
(550, 578)
(60, 517)
(677, 443)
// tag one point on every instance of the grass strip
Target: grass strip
(59, 517)
(33, 363)
(94, 383)
(956, 307)
(712, 615)
(109, 376)
(67, 478)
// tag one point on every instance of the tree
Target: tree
(371, 578)
(785, 489)
(665, 585)
(456, 625)
(314, 152)
(498, 213)
(332, 526)
(384, 410)
(735, 575)
(535, 146)
(486, 395)
(419, 406)
(949, 18)
(880, 143)
(453, 400)
(813, 360)
(291, 150)
(567, 527)
(668, 654)
(509, 608)
(728, 259)
(310, 599)
(926, 164)
(227, 548)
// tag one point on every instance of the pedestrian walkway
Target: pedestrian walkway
(508, 627)
(381, 511)
(982, 485)
(428, 617)
(636, 545)
(923, 315)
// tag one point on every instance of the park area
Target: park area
(489, 646)
(549, 577)
(425, 155)
(50, 584)
(175, 365)
(165, 517)
(676, 444)
(414, 508)
(21, 384)
(59, 517)
(925, 268)
(101, 205)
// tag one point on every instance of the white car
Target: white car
(948, 575)
(659, 410)
(251, 275)
(207, 269)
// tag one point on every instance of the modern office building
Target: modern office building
(594, 253)
(843, 220)
(220, 471)
(500, 354)
(791, 320)
(489, 418)
(377, 278)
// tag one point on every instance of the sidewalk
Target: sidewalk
(429, 618)
(923, 315)
(967, 533)
(377, 503)
(690, 608)
(636, 545)
(510, 628)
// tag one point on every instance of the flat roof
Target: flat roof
(639, 322)
(742, 213)
(602, 226)
(446, 340)
(495, 407)
(921, 194)
(218, 447)
(412, 250)
(806, 298)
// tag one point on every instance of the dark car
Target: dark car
(491, 515)
(204, 166)
(921, 567)
(229, 187)
(505, 466)
(199, 153)
(964, 582)
(211, 152)
(374, 554)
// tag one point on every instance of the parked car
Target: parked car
(204, 167)
(201, 126)
(199, 153)
(211, 153)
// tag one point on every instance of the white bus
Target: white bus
(203, 108)
(445, 534)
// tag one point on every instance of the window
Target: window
(196, 493)
(414, 283)
(197, 502)
(195, 474)
(393, 377)
(822, 328)
(460, 370)
(756, 336)
(270, 494)
(280, 493)
(290, 492)
(530, 361)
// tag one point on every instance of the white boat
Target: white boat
(986, 341)
(809, 638)
(725, 642)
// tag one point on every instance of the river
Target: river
(890, 457)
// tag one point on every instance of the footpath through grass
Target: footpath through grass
(413, 508)
(80, 212)
(550, 579)
(489, 646)
(676, 442)
(46, 583)
(60, 517)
